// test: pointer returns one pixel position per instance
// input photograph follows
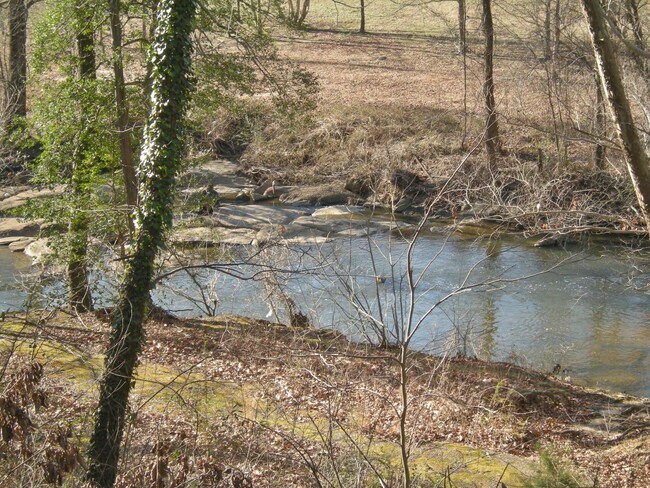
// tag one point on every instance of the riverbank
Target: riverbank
(282, 406)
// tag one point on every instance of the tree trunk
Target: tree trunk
(304, 11)
(557, 30)
(79, 294)
(612, 82)
(86, 44)
(17, 89)
(462, 27)
(127, 162)
(492, 142)
(600, 125)
(548, 36)
(362, 19)
(160, 160)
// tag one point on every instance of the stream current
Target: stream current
(585, 308)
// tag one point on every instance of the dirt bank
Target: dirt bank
(279, 406)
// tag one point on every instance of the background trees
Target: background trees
(16, 87)
(392, 141)
(492, 142)
(612, 83)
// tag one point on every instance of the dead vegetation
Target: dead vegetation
(259, 404)
(393, 104)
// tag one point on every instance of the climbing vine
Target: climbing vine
(160, 159)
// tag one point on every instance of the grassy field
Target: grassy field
(402, 98)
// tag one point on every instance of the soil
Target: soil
(279, 406)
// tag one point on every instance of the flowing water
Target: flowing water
(587, 310)
(12, 267)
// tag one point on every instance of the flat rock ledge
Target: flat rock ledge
(13, 227)
(18, 198)
(266, 224)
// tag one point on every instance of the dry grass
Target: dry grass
(399, 100)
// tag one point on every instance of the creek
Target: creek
(586, 308)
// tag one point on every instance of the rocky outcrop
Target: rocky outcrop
(21, 198)
(210, 237)
(12, 227)
(320, 195)
(38, 250)
(220, 174)
(254, 216)
(21, 244)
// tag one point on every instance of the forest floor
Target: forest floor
(252, 403)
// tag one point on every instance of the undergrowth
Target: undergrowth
(553, 474)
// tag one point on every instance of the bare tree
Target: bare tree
(492, 142)
(362, 16)
(634, 19)
(548, 38)
(612, 82)
(17, 83)
(462, 27)
(298, 11)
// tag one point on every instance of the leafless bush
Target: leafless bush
(173, 463)
(32, 452)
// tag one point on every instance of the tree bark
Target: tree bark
(127, 162)
(159, 163)
(599, 155)
(462, 27)
(612, 82)
(492, 142)
(17, 89)
(79, 294)
(362, 19)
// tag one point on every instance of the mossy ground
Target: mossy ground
(287, 406)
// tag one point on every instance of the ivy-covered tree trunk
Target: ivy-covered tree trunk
(79, 294)
(159, 163)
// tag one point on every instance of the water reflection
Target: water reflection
(489, 330)
(576, 310)
(12, 293)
